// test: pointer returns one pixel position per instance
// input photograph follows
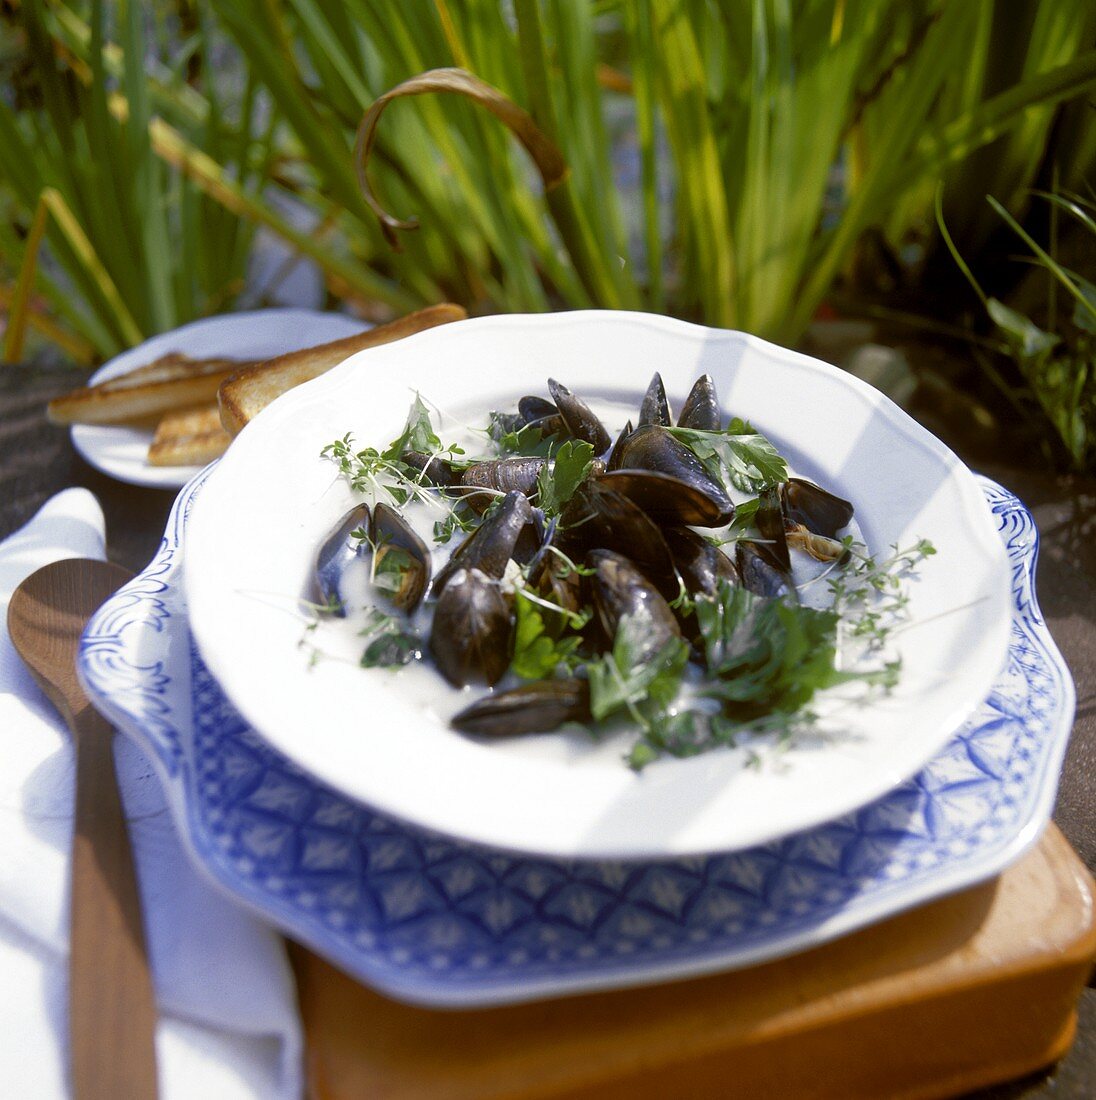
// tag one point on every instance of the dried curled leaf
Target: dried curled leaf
(545, 153)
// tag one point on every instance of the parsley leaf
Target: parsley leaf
(751, 461)
(556, 483)
(625, 678)
(536, 653)
(418, 434)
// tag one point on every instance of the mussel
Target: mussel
(596, 517)
(701, 408)
(335, 552)
(482, 482)
(535, 707)
(683, 491)
(620, 590)
(700, 565)
(819, 511)
(401, 561)
(470, 636)
(655, 409)
(761, 573)
(613, 462)
(580, 419)
(431, 469)
(769, 519)
(492, 544)
(818, 546)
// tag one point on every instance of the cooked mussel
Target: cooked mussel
(769, 519)
(401, 561)
(579, 418)
(700, 565)
(483, 482)
(596, 517)
(655, 409)
(492, 544)
(819, 511)
(431, 469)
(335, 552)
(818, 546)
(613, 461)
(760, 571)
(686, 492)
(531, 708)
(701, 408)
(619, 590)
(470, 635)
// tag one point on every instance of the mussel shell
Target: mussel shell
(760, 572)
(500, 475)
(769, 520)
(701, 409)
(619, 589)
(669, 499)
(811, 505)
(470, 636)
(700, 565)
(597, 518)
(390, 533)
(431, 469)
(533, 408)
(532, 708)
(579, 418)
(613, 462)
(333, 555)
(492, 544)
(651, 447)
(655, 409)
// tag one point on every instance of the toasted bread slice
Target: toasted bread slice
(189, 437)
(171, 382)
(251, 389)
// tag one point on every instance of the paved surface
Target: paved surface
(37, 460)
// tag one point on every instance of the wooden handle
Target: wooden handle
(112, 1011)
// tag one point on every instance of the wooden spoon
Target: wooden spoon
(112, 1010)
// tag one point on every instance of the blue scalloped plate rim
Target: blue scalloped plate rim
(445, 923)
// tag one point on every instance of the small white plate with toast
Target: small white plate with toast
(122, 450)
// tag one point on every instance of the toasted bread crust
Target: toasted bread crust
(189, 437)
(171, 382)
(250, 390)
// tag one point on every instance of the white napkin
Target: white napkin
(228, 1025)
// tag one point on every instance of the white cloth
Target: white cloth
(228, 1026)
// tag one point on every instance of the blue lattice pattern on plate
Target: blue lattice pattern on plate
(445, 922)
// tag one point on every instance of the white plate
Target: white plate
(371, 736)
(121, 452)
(453, 924)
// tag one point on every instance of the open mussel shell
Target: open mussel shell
(651, 447)
(579, 418)
(760, 571)
(819, 511)
(482, 482)
(536, 707)
(620, 590)
(492, 544)
(597, 518)
(655, 409)
(401, 560)
(335, 552)
(532, 408)
(701, 408)
(470, 635)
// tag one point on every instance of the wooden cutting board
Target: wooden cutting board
(974, 989)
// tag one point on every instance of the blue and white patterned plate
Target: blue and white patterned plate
(439, 922)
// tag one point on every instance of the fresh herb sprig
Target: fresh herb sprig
(750, 461)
